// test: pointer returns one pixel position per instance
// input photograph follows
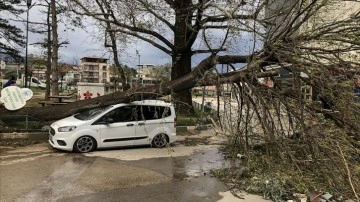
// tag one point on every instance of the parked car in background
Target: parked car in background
(147, 122)
(33, 82)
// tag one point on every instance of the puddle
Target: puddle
(195, 165)
(61, 179)
(201, 163)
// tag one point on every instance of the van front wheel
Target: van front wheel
(85, 144)
(160, 140)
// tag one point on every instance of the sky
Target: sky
(83, 44)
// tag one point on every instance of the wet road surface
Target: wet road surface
(180, 173)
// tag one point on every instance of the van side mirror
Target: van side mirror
(109, 120)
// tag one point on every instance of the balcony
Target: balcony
(91, 76)
(95, 71)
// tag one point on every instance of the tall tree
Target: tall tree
(46, 44)
(10, 36)
(171, 26)
(53, 9)
(55, 49)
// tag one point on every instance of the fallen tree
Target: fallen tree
(150, 92)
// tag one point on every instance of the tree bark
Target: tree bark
(182, 99)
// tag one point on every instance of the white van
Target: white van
(137, 123)
(34, 82)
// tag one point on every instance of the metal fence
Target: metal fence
(14, 123)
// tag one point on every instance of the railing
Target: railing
(207, 112)
(17, 123)
(206, 108)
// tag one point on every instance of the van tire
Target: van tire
(160, 140)
(85, 144)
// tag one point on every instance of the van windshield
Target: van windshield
(91, 113)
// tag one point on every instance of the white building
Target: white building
(94, 70)
(94, 77)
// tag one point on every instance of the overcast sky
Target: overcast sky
(82, 44)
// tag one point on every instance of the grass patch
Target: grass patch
(192, 119)
(186, 121)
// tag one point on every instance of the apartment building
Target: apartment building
(145, 74)
(94, 70)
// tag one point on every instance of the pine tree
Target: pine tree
(11, 38)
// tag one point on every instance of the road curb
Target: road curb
(187, 128)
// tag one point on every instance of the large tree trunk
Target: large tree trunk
(182, 99)
(181, 57)
(55, 47)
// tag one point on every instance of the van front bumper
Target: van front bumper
(59, 142)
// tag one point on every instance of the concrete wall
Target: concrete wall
(35, 136)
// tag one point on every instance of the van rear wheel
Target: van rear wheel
(85, 144)
(160, 140)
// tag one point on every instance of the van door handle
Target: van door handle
(140, 124)
(130, 124)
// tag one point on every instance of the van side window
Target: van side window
(153, 112)
(34, 80)
(121, 114)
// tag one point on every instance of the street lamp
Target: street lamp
(28, 3)
(137, 53)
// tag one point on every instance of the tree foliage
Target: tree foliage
(11, 38)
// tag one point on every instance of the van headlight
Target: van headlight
(66, 128)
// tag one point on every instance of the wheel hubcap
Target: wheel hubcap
(85, 144)
(159, 140)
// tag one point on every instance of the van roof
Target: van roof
(159, 102)
(148, 102)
